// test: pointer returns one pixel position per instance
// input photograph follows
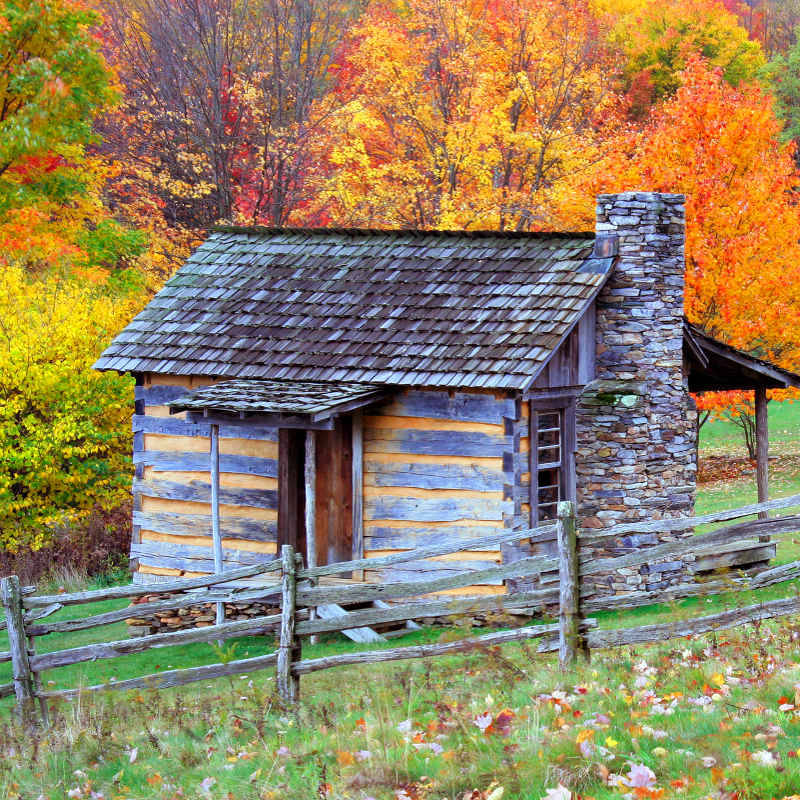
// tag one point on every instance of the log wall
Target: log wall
(439, 465)
(172, 493)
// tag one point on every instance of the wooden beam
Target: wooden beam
(311, 495)
(288, 488)
(215, 532)
(762, 447)
(358, 491)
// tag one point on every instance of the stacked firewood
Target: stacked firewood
(199, 616)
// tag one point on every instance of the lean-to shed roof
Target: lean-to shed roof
(415, 308)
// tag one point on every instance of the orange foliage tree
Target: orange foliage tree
(720, 145)
(463, 114)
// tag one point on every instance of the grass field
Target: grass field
(419, 730)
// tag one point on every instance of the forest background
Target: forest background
(129, 127)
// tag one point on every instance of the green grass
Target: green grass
(725, 438)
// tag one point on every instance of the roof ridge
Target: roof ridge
(269, 231)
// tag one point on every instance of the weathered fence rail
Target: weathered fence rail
(298, 592)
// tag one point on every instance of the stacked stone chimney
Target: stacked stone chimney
(636, 423)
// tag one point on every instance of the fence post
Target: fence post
(287, 683)
(569, 589)
(18, 644)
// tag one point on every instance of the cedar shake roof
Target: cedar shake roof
(413, 308)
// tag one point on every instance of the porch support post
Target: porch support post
(358, 491)
(762, 447)
(215, 532)
(311, 487)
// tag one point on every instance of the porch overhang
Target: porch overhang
(717, 367)
(308, 405)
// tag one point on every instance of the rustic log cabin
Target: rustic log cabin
(359, 392)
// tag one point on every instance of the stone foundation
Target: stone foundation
(199, 616)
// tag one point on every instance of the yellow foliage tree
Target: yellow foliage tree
(463, 114)
(64, 429)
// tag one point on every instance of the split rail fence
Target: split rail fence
(558, 579)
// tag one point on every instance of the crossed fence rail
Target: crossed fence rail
(300, 593)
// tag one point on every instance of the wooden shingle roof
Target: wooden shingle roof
(381, 307)
(317, 400)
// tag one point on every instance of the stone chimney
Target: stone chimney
(636, 423)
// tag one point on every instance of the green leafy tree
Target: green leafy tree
(54, 83)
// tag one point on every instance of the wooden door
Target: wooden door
(334, 493)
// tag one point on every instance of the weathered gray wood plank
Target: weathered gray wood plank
(679, 628)
(171, 678)
(435, 476)
(171, 426)
(102, 650)
(132, 590)
(11, 595)
(173, 461)
(362, 593)
(287, 684)
(200, 525)
(418, 554)
(569, 594)
(460, 406)
(447, 509)
(200, 492)
(684, 523)
(439, 443)
(423, 610)
(194, 557)
(422, 650)
(691, 544)
(333, 617)
(154, 607)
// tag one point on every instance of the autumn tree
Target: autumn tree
(462, 114)
(53, 84)
(215, 123)
(655, 41)
(722, 147)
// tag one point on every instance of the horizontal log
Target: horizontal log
(460, 406)
(200, 525)
(619, 637)
(434, 476)
(193, 558)
(533, 535)
(666, 595)
(422, 650)
(5, 656)
(684, 523)
(137, 590)
(768, 577)
(7, 689)
(171, 426)
(440, 608)
(92, 652)
(200, 492)
(438, 443)
(447, 509)
(154, 607)
(691, 544)
(381, 537)
(160, 394)
(177, 461)
(173, 677)
(363, 593)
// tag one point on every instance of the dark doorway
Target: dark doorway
(291, 490)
